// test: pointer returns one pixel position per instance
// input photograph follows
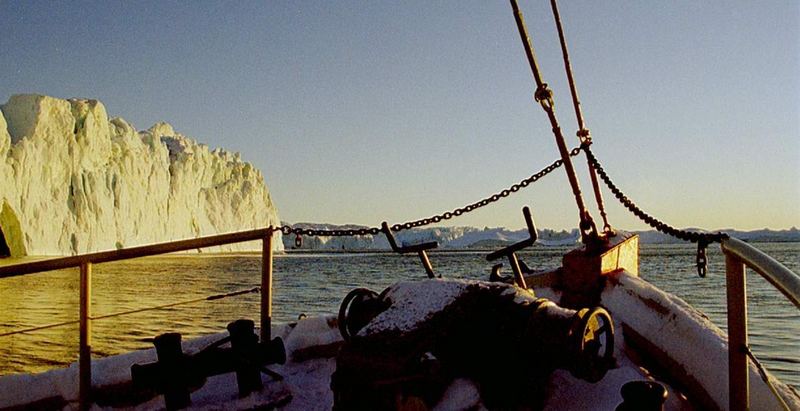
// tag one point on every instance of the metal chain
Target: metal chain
(703, 239)
(312, 232)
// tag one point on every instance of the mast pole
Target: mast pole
(544, 96)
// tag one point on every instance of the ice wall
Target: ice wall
(73, 181)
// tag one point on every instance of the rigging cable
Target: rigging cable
(544, 96)
(211, 297)
(583, 133)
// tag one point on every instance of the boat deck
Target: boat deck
(311, 346)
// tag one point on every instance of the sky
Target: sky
(365, 111)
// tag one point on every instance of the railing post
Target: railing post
(738, 384)
(85, 348)
(266, 287)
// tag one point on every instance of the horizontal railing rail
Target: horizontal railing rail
(776, 273)
(59, 263)
(739, 255)
(85, 262)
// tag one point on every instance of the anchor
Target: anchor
(176, 374)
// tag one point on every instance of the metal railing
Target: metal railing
(85, 262)
(739, 254)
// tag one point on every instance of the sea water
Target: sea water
(313, 284)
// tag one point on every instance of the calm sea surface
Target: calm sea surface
(315, 284)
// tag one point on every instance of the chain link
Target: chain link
(312, 232)
(703, 239)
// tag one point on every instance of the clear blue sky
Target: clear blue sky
(358, 112)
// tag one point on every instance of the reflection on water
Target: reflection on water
(315, 284)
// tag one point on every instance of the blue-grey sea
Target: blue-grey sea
(316, 283)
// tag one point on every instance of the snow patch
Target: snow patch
(315, 331)
(413, 303)
(689, 338)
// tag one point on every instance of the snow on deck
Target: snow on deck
(414, 302)
(697, 347)
(306, 384)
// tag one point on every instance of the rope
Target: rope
(764, 376)
(212, 297)
(544, 96)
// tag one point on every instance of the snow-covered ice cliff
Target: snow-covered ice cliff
(73, 181)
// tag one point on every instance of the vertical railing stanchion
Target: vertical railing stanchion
(85, 348)
(266, 287)
(738, 384)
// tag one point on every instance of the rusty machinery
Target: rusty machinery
(498, 335)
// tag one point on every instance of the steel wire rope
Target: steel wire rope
(211, 297)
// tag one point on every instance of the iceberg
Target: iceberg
(74, 181)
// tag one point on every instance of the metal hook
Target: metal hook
(420, 249)
(495, 275)
(702, 261)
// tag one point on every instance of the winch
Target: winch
(407, 344)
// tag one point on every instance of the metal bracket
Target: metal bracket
(420, 249)
(511, 251)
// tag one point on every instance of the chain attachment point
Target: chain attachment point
(543, 95)
(702, 261)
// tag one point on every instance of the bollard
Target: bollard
(245, 349)
(642, 396)
(168, 375)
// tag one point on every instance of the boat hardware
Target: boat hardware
(420, 249)
(642, 396)
(447, 215)
(358, 308)
(536, 336)
(583, 133)
(685, 235)
(298, 241)
(495, 275)
(176, 374)
(592, 330)
(511, 250)
(702, 261)
(544, 96)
